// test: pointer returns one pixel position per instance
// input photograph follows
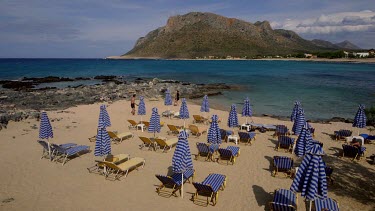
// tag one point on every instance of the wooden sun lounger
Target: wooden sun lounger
(174, 129)
(147, 142)
(115, 159)
(197, 131)
(165, 145)
(118, 138)
(115, 172)
(199, 119)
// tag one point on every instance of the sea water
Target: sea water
(326, 89)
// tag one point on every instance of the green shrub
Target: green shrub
(370, 114)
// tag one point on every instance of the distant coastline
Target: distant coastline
(340, 60)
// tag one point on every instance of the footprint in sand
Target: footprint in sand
(7, 200)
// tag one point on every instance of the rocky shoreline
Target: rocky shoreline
(20, 99)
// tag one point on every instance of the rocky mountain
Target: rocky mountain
(199, 34)
(342, 45)
(347, 45)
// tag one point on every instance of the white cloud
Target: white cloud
(332, 23)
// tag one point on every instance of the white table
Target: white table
(141, 126)
(245, 126)
(350, 138)
(234, 138)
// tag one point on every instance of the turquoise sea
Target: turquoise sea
(325, 89)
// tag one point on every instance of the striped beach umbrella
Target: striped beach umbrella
(233, 118)
(310, 179)
(154, 122)
(299, 122)
(205, 105)
(213, 135)
(246, 110)
(304, 139)
(45, 129)
(297, 105)
(184, 112)
(360, 118)
(181, 160)
(168, 98)
(141, 107)
(102, 143)
(104, 120)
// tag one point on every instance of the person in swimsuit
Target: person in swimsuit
(132, 104)
(177, 98)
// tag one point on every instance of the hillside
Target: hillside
(206, 34)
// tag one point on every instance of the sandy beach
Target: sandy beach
(30, 183)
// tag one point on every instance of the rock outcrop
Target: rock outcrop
(199, 34)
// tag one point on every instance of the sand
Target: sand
(30, 183)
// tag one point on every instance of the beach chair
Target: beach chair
(147, 142)
(62, 154)
(167, 114)
(285, 142)
(223, 134)
(118, 138)
(175, 130)
(342, 134)
(176, 115)
(246, 137)
(368, 139)
(209, 188)
(281, 130)
(353, 151)
(133, 124)
(282, 164)
(327, 204)
(203, 151)
(147, 124)
(173, 182)
(284, 200)
(116, 171)
(229, 154)
(199, 119)
(116, 159)
(197, 131)
(165, 145)
(45, 152)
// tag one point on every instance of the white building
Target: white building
(361, 54)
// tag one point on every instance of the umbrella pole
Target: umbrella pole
(246, 119)
(184, 124)
(49, 149)
(182, 185)
(310, 205)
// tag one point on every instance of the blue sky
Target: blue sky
(97, 28)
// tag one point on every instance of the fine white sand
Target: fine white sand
(36, 184)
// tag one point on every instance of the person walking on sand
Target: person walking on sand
(177, 98)
(132, 104)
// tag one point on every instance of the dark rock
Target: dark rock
(47, 88)
(82, 79)
(4, 119)
(337, 119)
(17, 85)
(48, 79)
(105, 77)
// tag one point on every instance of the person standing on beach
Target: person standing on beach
(132, 104)
(177, 98)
